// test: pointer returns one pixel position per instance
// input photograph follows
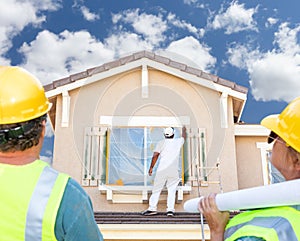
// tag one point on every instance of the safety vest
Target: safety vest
(30, 198)
(271, 224)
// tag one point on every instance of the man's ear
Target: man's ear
(297, 162)
(297, 166)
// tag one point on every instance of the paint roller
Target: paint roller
(279, 194)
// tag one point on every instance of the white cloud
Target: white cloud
(189, 1)
(234, 19)
(195, 3)
(184, 25)
(242, 56)
(49, 5)
(126, 42)
(271, 21)
(275, 77)
(150, 26)
(275, 74)
(115, 18)
(52, 56)
(286, 39)
(4, 61)
(88, 15)
(193, 50)
(16, 15)
(153, 28)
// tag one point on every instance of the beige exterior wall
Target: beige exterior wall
(249, 161)
(121, 95)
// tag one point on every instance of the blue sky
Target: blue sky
(253, 43)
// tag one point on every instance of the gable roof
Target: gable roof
(142, 58)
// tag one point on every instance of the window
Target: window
(117, 160)
(130, 153)
(122, 156)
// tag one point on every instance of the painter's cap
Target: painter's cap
(286, 124)
(169, 131)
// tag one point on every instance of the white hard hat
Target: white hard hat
(169, 131)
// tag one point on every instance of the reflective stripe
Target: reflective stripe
(281, 225)
(38, 203)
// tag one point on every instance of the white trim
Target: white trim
(145, 81)
(65, 109)
(195, 79)
(250, 130)
(264, 147)
(94, 78)
(142, 121)
(150, 63)
(224, 110)
(136, 194)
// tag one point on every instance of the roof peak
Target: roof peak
(151, 56)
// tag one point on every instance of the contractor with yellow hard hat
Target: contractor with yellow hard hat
(277, 223)
(37, 202)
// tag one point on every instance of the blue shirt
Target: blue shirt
(75, 219)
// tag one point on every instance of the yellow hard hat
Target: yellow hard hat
(22, 97)
(286, 124)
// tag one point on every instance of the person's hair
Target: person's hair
(169, 137)
(21, 136)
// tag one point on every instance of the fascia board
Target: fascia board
(93, 78)
(139, 63)
(195, 79)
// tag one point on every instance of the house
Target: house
(107, 120)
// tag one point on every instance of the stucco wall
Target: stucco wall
(249, 163)
(121, 95)
(66, 157)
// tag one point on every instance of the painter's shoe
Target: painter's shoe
(148, 213)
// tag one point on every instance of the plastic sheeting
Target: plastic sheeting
(130, 154)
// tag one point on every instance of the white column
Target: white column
(224, 110)
(145, 81)
(65, 109)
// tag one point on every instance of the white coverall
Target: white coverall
(167, 172)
